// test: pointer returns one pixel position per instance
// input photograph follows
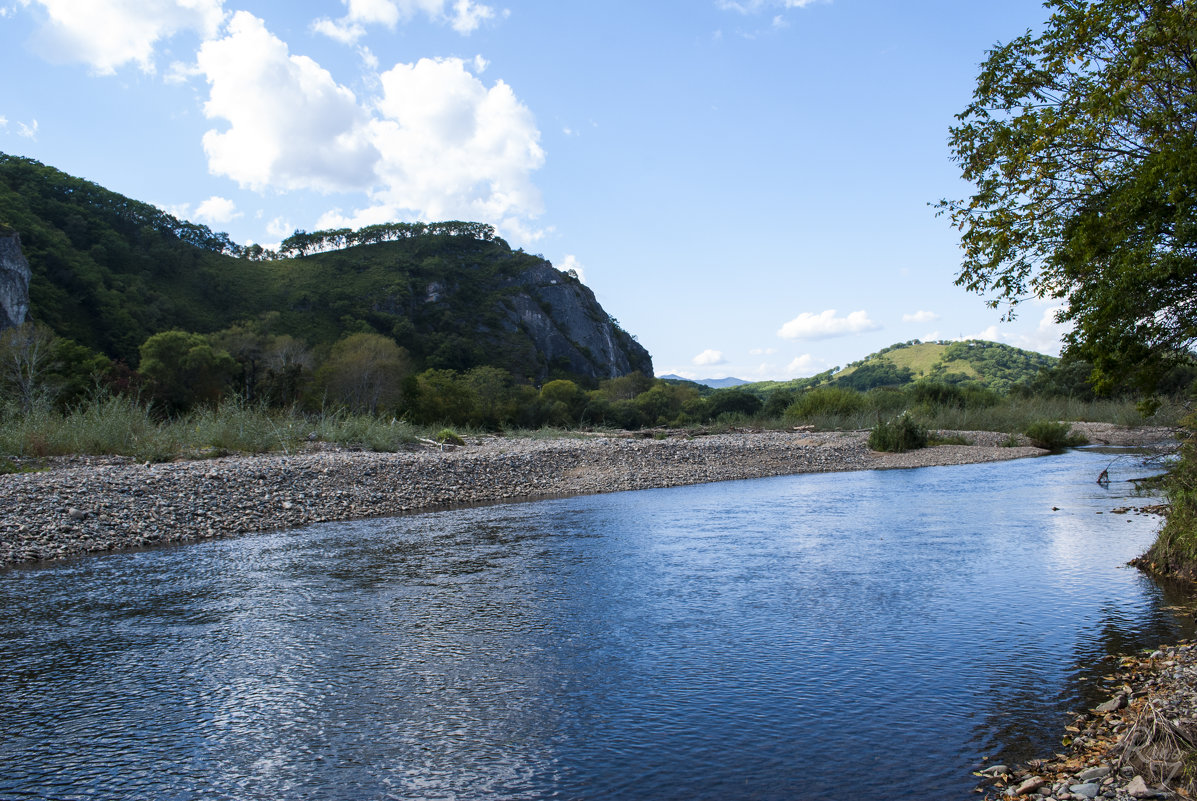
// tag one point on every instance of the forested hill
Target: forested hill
(988, 364)
(109, 271)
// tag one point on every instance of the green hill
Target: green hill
(109, 271)
(974, 361)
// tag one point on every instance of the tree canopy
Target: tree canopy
(1081, 145)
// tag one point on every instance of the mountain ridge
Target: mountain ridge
(108, 271)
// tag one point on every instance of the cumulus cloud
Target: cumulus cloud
(107, 34)
(570, 262)
(708, 358)
(451, 147)
(826, 324)
(1046, 338)
(280, 228)
(920, 316)
(804, 365)
(217, 211)
(27, 130)
(464, 16)
(290, 125)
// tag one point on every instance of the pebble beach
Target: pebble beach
(83, 505)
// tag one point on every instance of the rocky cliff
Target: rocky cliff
(109, 271)
(14, 282)
(569, 329)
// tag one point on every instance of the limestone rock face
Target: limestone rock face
(14, 282)
(568, 327)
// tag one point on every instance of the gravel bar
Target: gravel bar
(98, 504)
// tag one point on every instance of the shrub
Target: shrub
(903, 433)
(1052, 436)
(826, 401)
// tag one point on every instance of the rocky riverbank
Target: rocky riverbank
(1138, 744)
(89, 504)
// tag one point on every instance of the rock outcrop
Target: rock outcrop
(569, 329)
(14, 282)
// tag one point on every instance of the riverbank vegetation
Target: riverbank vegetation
(243, 391)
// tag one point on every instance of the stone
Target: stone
(1113, 705)
(75, 514)
(994, 770)
(1029, 786)
(1139, 789)
(1087, 790)
(1093, 774)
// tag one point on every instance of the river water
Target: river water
(835, 636)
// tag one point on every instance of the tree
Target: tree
(365, 372)
(1081, 144)
(183, 369)
(26, 361)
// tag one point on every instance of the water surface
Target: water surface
(838, 636)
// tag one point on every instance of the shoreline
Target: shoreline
(83, 505)
(1133, 746)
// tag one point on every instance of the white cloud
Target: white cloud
(451, 148)
(217, 211)
(464, 16)
(1046, 338)
(708, 358)
(27, 130)
(804, 365)
(826, 324)
(280, 227)
(920, 316)
(291, 126)
(3, 123)
(570, 262)
(753, 6)
(762, 351)
(107, 34)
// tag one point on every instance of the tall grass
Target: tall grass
(122, 426)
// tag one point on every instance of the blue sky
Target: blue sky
(745, 185)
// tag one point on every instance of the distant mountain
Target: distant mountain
(108, 271)
(989, 364)
(714, 383)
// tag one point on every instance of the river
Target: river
(832, 636)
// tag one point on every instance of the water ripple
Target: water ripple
(837, 636)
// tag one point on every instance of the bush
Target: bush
(826, 401)
(903, 433)
(1052, 436)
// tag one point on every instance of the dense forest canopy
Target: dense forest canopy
(109, 272)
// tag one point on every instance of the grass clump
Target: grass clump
(1053, 436)
(447, 436)
(365, 431)
(903, 433)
